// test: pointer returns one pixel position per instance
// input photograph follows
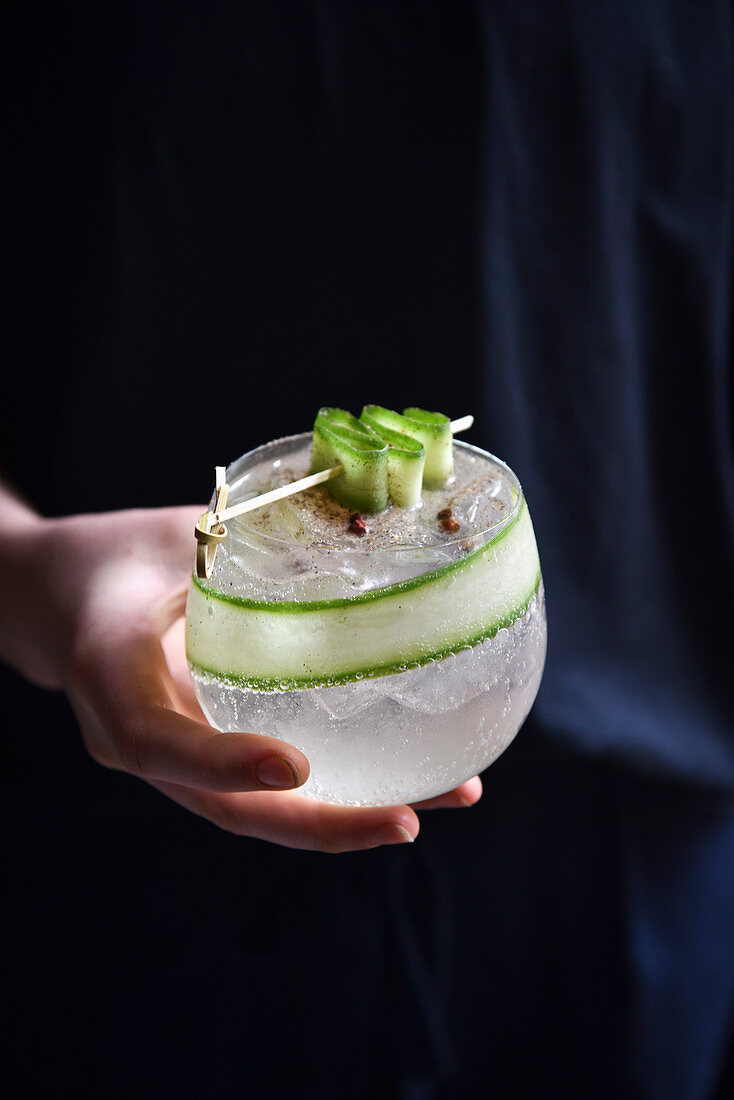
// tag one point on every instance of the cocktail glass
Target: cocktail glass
(401, 663)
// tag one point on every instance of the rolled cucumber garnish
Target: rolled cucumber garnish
(433, 430)
(406, 456)
(339, 438)
(385, 456)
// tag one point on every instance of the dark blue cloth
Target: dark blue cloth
(608, 191)
(521, 210)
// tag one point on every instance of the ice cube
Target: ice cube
(345, 700)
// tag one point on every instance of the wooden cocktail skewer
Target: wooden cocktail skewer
(210, 529)
(276, 494)
(462, 424)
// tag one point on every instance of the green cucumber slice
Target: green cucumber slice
(406, 456)
(339, 438)
(282, 646)
(434, 432)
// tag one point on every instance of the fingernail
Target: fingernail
(390, 834)
(278, 772)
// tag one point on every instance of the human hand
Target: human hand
(102, 616)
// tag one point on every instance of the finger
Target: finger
(297, 821)
(161, 744)
(467, 794)
(129, 689)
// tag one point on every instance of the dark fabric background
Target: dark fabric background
(238, 209)
(228, 215)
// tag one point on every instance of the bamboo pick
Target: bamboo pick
(462, 424)
(277, 494)
(210, 529)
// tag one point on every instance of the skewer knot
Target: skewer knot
(209, 535)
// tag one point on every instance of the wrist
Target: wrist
(29, 627)
(18, 516)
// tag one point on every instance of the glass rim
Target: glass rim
(482, 534)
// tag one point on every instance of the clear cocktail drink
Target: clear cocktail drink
(402, 659)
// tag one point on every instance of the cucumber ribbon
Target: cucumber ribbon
(286, 645)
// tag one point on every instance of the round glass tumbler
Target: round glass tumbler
(402, 659)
